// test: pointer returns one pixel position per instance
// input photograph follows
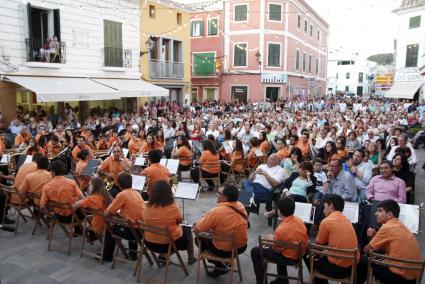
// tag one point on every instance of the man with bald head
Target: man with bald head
(265, 178)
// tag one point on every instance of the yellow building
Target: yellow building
(165, 47)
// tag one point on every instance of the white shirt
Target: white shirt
(168, 132)
(214, 133)
(412, 159)
(276, 172)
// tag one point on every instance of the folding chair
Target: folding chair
(39, 217)
(207, 256)
(172, 249)
(21, 205)
(250, 169)
(386, 261)
(215, 180)
(234, 175)
(296, 246)
(87, 228)
(119, 246)
(67, 228)
(185, 175)
(345, 254)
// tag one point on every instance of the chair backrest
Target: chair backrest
(210, 165)
(32, 196)
(296, 246)
(52, 205)
(9, 190)
(161, 231)
(345, 254)
(218, 237)
(406, 264)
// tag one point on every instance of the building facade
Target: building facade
(410, 51)
(166, 47)
(78, 41)
(273, 49)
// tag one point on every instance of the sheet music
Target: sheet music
(304, 211)
(125, 152)
(351, 211)
(186, 190)
(138, 182)
(140, 161)
(28, 159)
(163, 162)
(4, 159)
(172, 166)
(227, 147)
(258, 153)
(91, 168)
(409, 216)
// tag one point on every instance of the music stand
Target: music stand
(91, 168)
(186, 190)
(245, 197)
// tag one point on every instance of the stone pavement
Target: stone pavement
(25, 259)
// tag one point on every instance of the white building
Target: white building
(95, 58)
(350, 76)
(410, 51)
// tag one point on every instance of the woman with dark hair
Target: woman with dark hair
(291, 164)
(227, 140)
(340, 146)
(209, 155)
(182, 130)
(83, 181)
(159, 140)
(142, 136)
(33, 148)
(148, 146)
(329, 153)
(183, 152)
(391, 144)
(252, 154)
(196, 134)
(236, 160)
(402, 170)
(352, 143)
(263, 143)
(162, 211)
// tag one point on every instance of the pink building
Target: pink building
(271, 49)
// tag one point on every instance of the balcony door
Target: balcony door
(113, 52)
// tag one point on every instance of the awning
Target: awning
(56, 89)
(403, 90)
(134, 88)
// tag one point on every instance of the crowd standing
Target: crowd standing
(325, 151)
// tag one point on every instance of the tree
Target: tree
(382, 59)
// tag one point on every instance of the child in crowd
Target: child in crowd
(321, 178)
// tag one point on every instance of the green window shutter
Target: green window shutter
(274, 55)
(317, 66)
(57, 23)
(297, 61)
(113, 44)
(192, 28)
(240, 55)
(202, 28)
(304, 61)
(309, 63)
(275, 13)
(204, 63)
(241, 12)
(412, 55)
(414, 22)
(212, 27)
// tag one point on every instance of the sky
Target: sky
(365, 27)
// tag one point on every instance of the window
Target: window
(113, 51)
(297, 60)
(310, 58)
(179, 19)
(317, 66)
(240, 93)
(204, 63)
(213, 27)
(299, 22)
(311, 30)
(318, 35)
(414, 22)
(194, 94)
(240, 54)
(361, 77)
(305, 26)
(347, 75)
(347, 88)
(275, 12)
(412, 55)
(241, 13)
(197, 28)
(274, 55)
(152, 11)
(304, 61)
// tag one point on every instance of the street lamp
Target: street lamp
(149, 45)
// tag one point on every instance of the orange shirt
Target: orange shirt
(303, 147)
(208, 157)
(62, 190)
(185, 155)
(159, 144)
(264, 146)
(237, 161)
(114, 139)
(342, 153)
(224, 220)
(77, 150)
(251, 157)
(336, 231)
(23, 171)
(130, 203)
(20, 138)
(146, 148)
(60, 135)
(113, 167)
(2, 147)
(85, 134)
(398, 242)
(283, 153)
(53, 149)
(102, 145)
(83, 181)
(35, 182)
(168, 216)
(154, 173)
(292, 229)
(134, 145)
(95, 202)
(127, 135)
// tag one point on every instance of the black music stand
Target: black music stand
(91, 168)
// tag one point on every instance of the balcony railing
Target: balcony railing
(117, 57)
(166, 69)
(48, 52)
(200, 72)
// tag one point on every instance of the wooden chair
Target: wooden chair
(205, 255)
(185, 175)
(232, 175)
(325, 251)
(67, 228)
(172, 249)
(87, 228)
(21, 205)
(296, 246)
(39, 217)
(386, 261)
(250, 169)
(215, 180)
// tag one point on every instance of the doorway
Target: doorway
(272, 93)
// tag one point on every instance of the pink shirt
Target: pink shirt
(381, 189)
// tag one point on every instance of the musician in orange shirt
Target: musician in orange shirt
(81, 145)
(134, 145)
(103, 144)
(159, 140)
(53, 146)
(155, 171)
(22, 138)
(148, 146)
(209, 155)
(83, 181)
